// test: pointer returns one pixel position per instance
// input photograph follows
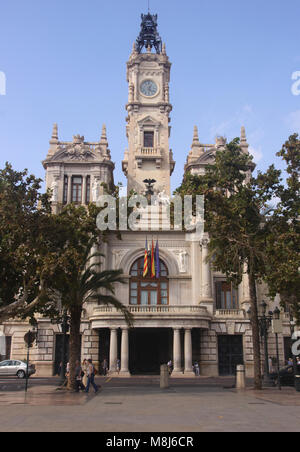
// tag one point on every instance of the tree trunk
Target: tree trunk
(75, 343)
(255, 333)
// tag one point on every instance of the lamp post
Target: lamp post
(265, 322)
(277, 329)
(29, 339)
(63, 322)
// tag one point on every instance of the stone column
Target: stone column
(69, 198)
(83, 195)
(206, 275)
(244, 291)
(206, 286)
(188, 352)
(177, 351)
(195, 258)
(113, 351)
(125, 353)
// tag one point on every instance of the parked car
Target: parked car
(286, 375)
(16, 368)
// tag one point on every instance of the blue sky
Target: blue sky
(65, 62)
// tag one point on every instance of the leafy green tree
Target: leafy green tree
(24, 224)
(235, 203)
(283, 240)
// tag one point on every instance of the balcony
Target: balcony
(162, 315)
(148, 154)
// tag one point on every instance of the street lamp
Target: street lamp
(277, 329)
(29, 339)
(63, 321)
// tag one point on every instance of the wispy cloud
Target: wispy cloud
(231, 126)
(256, 152)
(293, 121)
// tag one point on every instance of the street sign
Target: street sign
(29, 338)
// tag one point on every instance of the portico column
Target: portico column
(177, 351)
(113, 351)
(125, 353)
(188, 365)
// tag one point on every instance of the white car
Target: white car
(14, 368)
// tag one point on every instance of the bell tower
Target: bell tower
(148, 130)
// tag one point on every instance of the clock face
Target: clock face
(149, 88)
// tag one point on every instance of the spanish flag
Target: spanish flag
(145, 272)
(152, 261)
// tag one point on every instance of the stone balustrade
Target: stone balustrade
(160, 310)
(230, 313)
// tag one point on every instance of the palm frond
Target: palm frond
(110, 300)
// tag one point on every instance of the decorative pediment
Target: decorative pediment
(207, 157)
(78, 150)
(149, 121)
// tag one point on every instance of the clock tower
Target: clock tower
(148, 130)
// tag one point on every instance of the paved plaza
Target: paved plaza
(139, 405)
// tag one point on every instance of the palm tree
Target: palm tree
(86, 285)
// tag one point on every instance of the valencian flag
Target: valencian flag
(152, 261)
(157, 264)
(145, 272)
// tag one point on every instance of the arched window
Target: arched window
(148, 291)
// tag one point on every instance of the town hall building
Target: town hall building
(189, 313)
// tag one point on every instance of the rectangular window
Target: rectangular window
(148, 139)
(153, 298)
(226, 296)
(65, 199)
(144, 297)
(88, 190)
(77, 189)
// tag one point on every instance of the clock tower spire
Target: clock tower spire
(148, 107)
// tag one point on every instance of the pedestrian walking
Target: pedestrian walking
(78, 375)
(118, 365)
(170, 366)
(84, 370)
(197, 369)
(91, 377)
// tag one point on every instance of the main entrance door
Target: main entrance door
(149, 348)
(230, 354)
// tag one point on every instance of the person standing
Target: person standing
(118, 365)
(78, 376)
(197, 369)
(105, 367)
(91, 377)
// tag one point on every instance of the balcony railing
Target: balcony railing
(152, 310)
(149, 152)
(230, 313)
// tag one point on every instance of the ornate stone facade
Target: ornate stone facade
(201, 318)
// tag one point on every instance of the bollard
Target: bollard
(164, 377)
(240, 377)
